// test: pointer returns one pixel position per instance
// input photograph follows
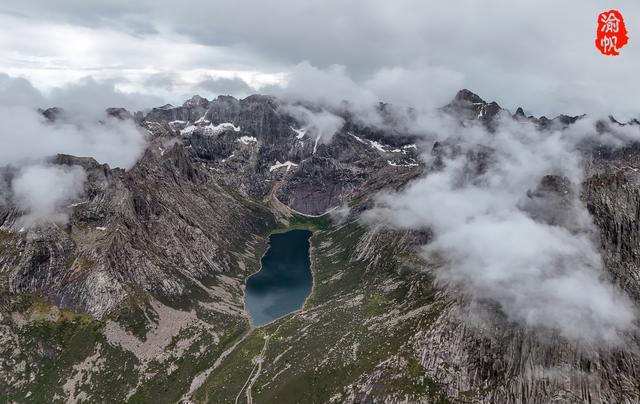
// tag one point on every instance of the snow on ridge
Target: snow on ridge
(481, 113)
(299, 132)
(278, 164)
(377, 145)
(391, 163)
(202, 120)
(188, 130)
(381, 147)
(73, 205)
(209, 130)
(246, 139)
(359, 139)
(217, 129)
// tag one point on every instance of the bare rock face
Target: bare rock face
(156, 256)
(52, 114)
(612, 198)
(467, 105)
(170, 221)
(245, 142)
(493, 361)
(159, 226)
(119, 113)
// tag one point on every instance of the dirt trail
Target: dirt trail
(257, 369)
(255, 372)
(200, 378)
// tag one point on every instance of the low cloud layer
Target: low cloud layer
(509, 226)
(539, 55)
(82, 129)
(43, 191)
(225, 86)
(320, 125)
(28, 136)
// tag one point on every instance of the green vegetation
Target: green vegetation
(85, 262)
(300, 222)
(169, 385)
(227, 380)
(137, 315)
(52, 342)
(7, 244)
(347, 330)
(413, 379)
(370, 296)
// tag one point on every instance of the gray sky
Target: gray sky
(538, 54)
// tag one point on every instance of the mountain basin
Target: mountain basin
(284, 280)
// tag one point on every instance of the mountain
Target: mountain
(139, 296)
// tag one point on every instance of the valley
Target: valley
(139, 297)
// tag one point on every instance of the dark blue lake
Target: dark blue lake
(284, 282)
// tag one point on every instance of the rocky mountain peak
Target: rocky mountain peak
(119, 113)
(467, 96)
(188, 224)
(52, 114)
(196, 101)
(165, 107)
(467, 105)
(260, 99)
(227, 98)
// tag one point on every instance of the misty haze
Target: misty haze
(319, 202)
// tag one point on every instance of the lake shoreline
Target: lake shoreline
(284, 280)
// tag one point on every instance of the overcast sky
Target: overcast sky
(538, 54)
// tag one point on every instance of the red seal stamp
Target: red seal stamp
(612, 33)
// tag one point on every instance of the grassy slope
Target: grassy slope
(48, 346)
(344, 337)
(345, 332)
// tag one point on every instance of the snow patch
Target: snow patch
(359, 139)
(378, 146)
(101, 228)
(246, 139)
(188, 130)
(73, 205)
(202, 120)
(299, 132)
(209, 130)
(217, 129)
(391, 163)
(278, 164)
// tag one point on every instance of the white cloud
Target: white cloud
(540, 55)
(26, 136)
(533, 254)
(328, 87)
(28, 139)
(320, 125)
(42, 191)
(53, 55)
(422, 87)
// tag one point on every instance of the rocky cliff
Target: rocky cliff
(138, 296)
